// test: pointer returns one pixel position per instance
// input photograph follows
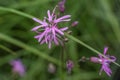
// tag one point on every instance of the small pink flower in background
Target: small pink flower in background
(18, 67)
(48, 31)
(69, 66)
(105, 62)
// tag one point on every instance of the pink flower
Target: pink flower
(69, 65)
(105, 62)
(48, 31)
(18, 67)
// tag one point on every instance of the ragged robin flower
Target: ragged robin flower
(104, 61)
(48, 31)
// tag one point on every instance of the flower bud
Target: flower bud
(61, 6)
(69, 65)
(75, 23)
(51, 68)
(94, 59)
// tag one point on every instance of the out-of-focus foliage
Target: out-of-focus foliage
(98, 26)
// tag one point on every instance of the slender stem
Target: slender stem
(62, 62)
(89, 47)
(7, 49)
(29, 48)
(16, 12)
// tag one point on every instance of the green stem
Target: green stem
(7, 49)
(16, 12)
(89, 47)
(62, 63)
(29, 48)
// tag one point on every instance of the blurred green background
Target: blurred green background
(98, 27)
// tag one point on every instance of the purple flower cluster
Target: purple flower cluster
(48, 31)
(104, 61)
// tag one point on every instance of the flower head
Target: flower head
(18, 67)
(104, 61)
(48, 31)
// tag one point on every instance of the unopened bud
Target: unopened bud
(94, 59)
(69, 65)
(66, 39)
(51, 68)
(83, 59)
(75, 23)
(61, 6)
(69, 32)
